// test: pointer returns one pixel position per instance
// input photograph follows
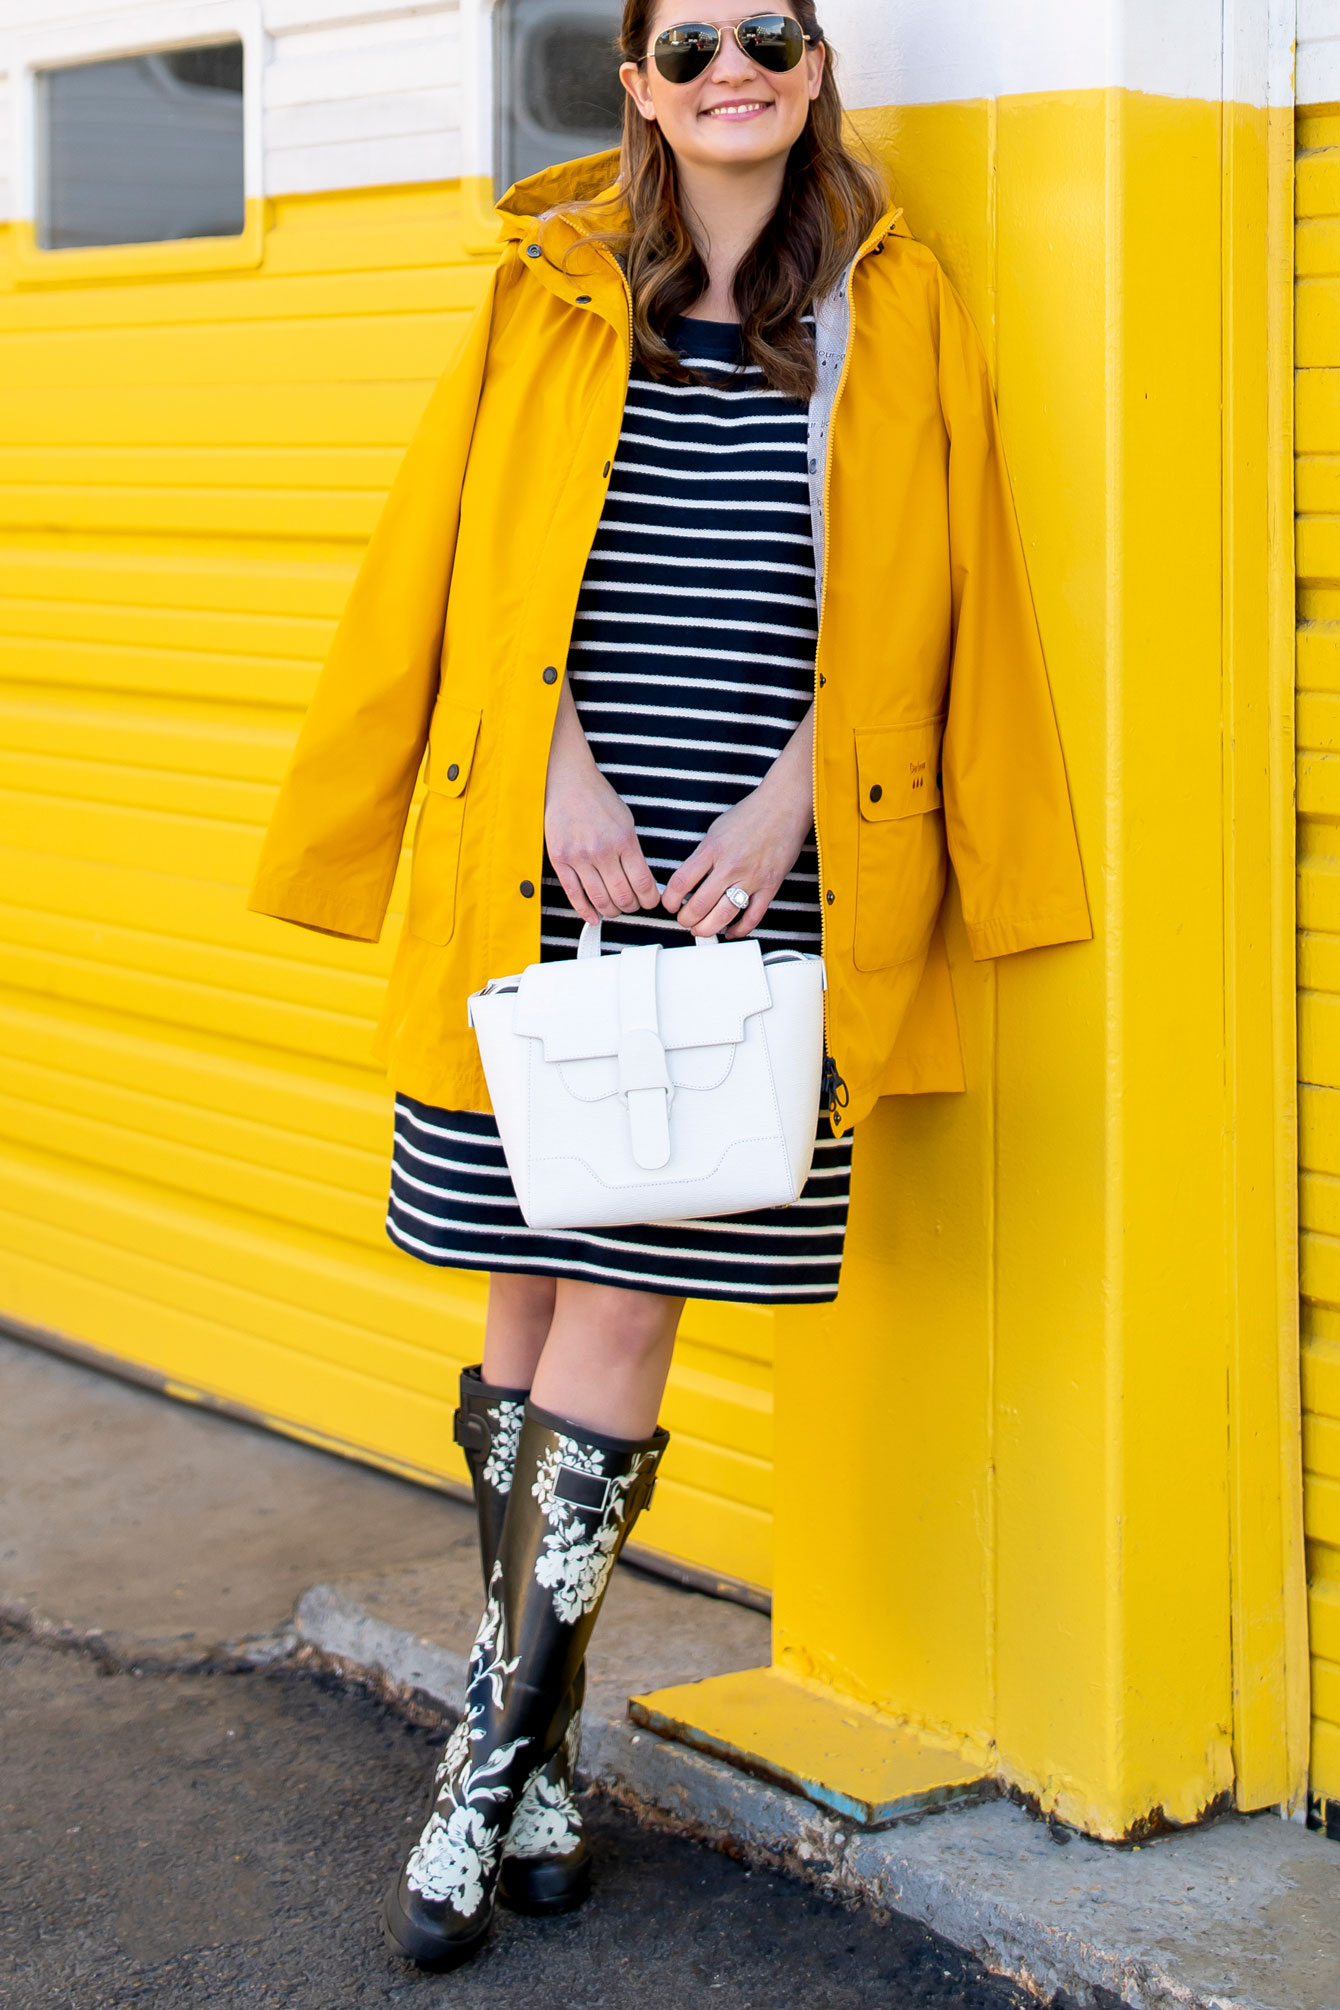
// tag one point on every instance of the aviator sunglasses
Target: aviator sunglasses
(775, 42)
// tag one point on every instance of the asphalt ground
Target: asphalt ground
(223, 1840)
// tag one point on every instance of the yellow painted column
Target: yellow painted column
(1036, 1508)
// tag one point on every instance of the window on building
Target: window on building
(139, 149)
(558, 89)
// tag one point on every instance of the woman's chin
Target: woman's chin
(715, 142)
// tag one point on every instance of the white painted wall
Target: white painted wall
(1318, 52)
(357, 93)
(928, 51)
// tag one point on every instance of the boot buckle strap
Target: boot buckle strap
(471, 1431)
(588, 1491)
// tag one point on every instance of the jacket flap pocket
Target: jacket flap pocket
(451, 748)
(898, 770)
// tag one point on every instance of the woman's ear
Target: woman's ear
(816, 58)
(634, 81)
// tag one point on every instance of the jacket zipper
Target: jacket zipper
(834, 1096)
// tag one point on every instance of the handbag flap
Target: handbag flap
(703, 998)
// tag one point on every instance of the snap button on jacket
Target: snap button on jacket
(935, 735)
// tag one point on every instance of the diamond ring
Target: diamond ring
(737, 897)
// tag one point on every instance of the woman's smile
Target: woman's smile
(739, 108)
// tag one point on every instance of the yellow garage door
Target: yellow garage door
(193, 1144)
(1318, 445)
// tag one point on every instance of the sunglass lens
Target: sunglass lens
(773, 41)
(683, 53)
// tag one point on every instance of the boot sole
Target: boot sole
(424, 1950)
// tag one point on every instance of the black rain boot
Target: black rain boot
(546, 1861)
(575, 1496)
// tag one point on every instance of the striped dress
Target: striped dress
(691, 665)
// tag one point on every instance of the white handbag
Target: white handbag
(655, 1085)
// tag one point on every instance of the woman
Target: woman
(714, 388)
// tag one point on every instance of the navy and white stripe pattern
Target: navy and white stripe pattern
(691, 665)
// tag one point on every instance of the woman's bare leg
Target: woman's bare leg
(515, 1330)
(606, 1358)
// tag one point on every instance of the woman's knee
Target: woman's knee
(630, 1322)
(517, 1291)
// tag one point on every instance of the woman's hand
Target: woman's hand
(754, 844)
(589, 831)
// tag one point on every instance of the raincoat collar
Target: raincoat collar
(595, 178)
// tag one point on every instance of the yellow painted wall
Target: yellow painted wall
(1318, 443)
(193, 1143)
(1052, 1509)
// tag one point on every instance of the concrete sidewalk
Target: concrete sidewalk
(178, 1538)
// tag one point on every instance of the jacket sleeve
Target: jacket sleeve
(1008, 817)
(329, 857)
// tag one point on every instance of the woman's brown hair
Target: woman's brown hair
(830, 203)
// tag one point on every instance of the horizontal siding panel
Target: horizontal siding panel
(95, 1128)
(1324, 1604)
(1317, 183)
(704, 1527)
(319, 1288)
(223, 415)
(1318, 603)
(1317, 322)
(199, 913)
(349, 1108)
(209, 512)
(1325, 1764)
(1319, 886)
(1317, 483)
(1321, 1378)
(1326, 1690)
(1319, 1203)
(171, 673)
(1321, 1507)
(185, 466)
(1319, 656)
(1317, 246)
(1318, 721)
(1321, 1446)
(224, 300)
(97, 831)
(412, 157)
(722, 1408)
(218, 741)
(368, 347)
(1317, 411)
(1319, 1267)
(1319, 1038)
(61, 779)
(139, 994)
(711, 1467)
(1319, 548)
(1319, 962)
(241, 580)
(211, 968)
(1318, 782)
(431, 111)
(189, 631)
(1319, 1129)
(345, 65)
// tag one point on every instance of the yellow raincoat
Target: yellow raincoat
(934, 722)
